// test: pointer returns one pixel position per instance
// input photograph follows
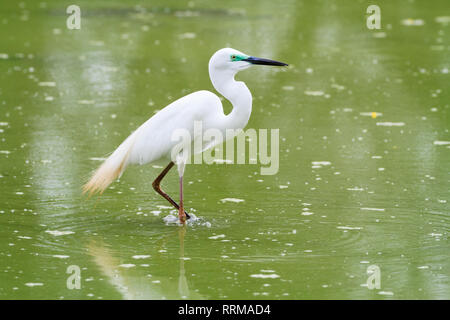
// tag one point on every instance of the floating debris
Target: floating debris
(319, 164)
(187, 35)
(235, 200)
(57, 233)
(355, 189)
(222, 161)
(217, 237)
(413, 22)
(391, 124)
(372, 209)
(34, 284)
(349, 228)
(373, 114)
(60, 256)
(265, 276)
(441, 143)
(141, 256)
(443, 19)
(337, 87)
(47, 84)
(314, 93)
(386, 293)
(86, 101)
(127, 265)
(379, 35)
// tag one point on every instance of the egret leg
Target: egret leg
(181, 212)
(157, 186)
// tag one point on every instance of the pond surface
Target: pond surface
(363, 174)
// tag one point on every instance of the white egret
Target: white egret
(153, 141)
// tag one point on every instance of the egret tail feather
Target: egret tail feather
(110, 170)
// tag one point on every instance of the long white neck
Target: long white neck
(237, 93)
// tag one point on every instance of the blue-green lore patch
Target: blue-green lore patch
(238, 57)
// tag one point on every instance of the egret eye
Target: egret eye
(233, 57)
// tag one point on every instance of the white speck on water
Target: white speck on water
(265, 276)
(235, 200)
(185, 258)
(24, 237)
(141, 256)
(127, 265)
(60, 256)
(307, 213)
(391, 124)
(97, 159)
(386, 293)
(4, 56)
(371, 114)
(288, 88)
(349, 228)
(57, 233)
(47, 84)
(49, 98)
(4, 124)
(377, 157)
(413, 22)
(423, 267)
(443, 19)
(319, 164)
(314, 93)
(86, 101)
(187, 35)
(355, 189)
(441, 143)
(337, 87)
(19, 193)
(372, 209)
(34, 284)
(436, 235)
(283, 187)
(222, 161)
(160, 206)
(217, 237)
(379, 34)
(5, 151)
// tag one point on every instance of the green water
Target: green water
(380, 196)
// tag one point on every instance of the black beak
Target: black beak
(265, 62)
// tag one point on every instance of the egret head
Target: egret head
(228, 59)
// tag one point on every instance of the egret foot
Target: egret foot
(182, 215)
